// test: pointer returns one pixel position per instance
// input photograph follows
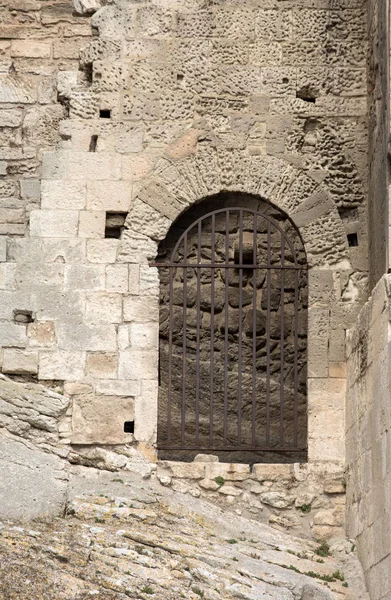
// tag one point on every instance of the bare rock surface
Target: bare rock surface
(131, 538)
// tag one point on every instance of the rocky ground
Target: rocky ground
(131, 538)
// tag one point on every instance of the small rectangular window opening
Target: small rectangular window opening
(352, 240)
(104, 114)
(115, 224)
(129, 427)
(23, 316)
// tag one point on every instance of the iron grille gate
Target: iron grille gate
(230, 348)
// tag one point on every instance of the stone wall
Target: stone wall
(368, 422)
(378, 130)
(38, 39)
(166, 106)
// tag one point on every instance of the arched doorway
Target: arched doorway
(233, 334)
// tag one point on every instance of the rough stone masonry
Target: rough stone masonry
(112, 126)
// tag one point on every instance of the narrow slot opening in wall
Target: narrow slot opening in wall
(105, 114)
(93, 143)
(115, 224)
(352, 240)
(129, 427)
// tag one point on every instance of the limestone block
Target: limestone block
(326, 394)
(230, 490)
(100, 419)
(277, 499)
(34, 482)
(94, 166)
(206, 458)
(117, 277)
(144, 335)
(11, 117)
(331, 517)
(86, 7)
(30, 49)
(140, 310)
(92, 337)
(3, 248)
(102, 251)
(84, 277)
(64, 195)
(148, 220)
(136, 248)
(13, 335)
(334, 486)
(35, 250)
(134, 279)
(229, 471)
(61, 365)
(146, 407)
(265, 472)
(92, 224)
(102, 365)
(138, 364)
(76, 388)
(102, 307)
(315, 592)
(319, 323)
(8, 276)
(209, 485)
(54, 223)
(182, 470)
(111, 387)
(55, 165)
(136, 166)
(20, 362)
(109, 195)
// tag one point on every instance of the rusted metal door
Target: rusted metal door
(233, 337)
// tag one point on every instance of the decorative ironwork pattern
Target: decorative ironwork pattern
(233, 337)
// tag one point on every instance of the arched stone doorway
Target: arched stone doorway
(233, 334)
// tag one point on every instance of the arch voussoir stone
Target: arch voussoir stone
(174, 187)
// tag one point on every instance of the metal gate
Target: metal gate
(231, 344)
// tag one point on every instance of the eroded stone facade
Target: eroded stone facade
(169, 103)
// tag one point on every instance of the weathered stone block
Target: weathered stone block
(64, 195)
(84, 277)
(117, 278)
(109, 195)
(140, 310)
(54, 223)
(146, 408)
(100, 419)
(91, 224)
(61, 365)
(20, 362)
(11, 117)
(111, 387)
(143, 335)
(102, 307)
(138, 364)
(183, 470)
(96, 337)
(102, 365)
(3, 248)
(102, 251)
(13, 335)
(229, 471)
(265, 472)
(94, 166)
(30, 49)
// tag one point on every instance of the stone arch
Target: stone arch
(175, 185)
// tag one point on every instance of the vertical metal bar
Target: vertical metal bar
(212, 332)
(227, 232)
(282, 338)
(197, 402)
(183, 414)
(296, 376)
(169, 399)
(254, 366)
(268, 336)
(240, 328)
